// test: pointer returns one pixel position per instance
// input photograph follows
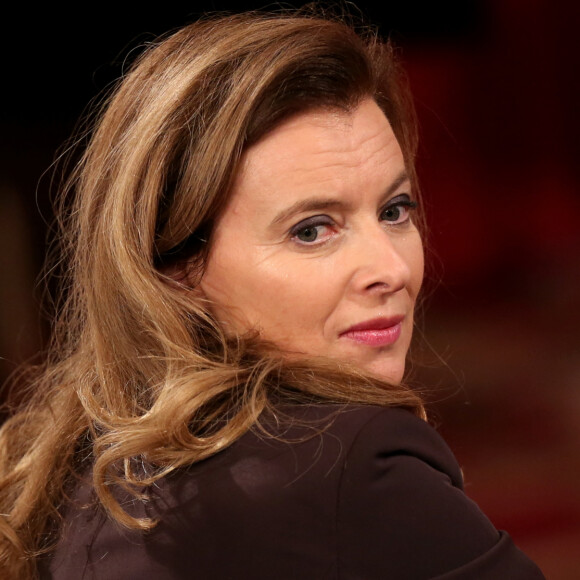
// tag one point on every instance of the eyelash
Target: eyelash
(401, 202)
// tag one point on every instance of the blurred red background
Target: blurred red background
(500, 126)
(497, 91)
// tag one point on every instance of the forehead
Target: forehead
(320, 147)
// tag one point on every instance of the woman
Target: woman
(225, 395)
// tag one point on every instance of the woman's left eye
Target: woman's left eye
(397, 211)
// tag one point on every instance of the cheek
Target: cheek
(281, 297)
(420, 265)
(413, 253)
(230, 285)
(287, 297)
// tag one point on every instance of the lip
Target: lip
(375, 332)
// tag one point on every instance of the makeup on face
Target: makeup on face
(317, 249)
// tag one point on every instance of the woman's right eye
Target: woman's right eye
(312, 231)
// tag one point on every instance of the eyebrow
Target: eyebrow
(320, 204)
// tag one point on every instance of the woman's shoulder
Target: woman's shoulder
(314, 491)
(365, 433)
(370, 491)
(401, 509)
(355, 419)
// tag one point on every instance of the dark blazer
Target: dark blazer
(377, 494)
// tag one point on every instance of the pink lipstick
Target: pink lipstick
(375, 332)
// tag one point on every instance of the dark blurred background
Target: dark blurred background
(497, 91)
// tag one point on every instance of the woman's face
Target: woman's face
(317, 249)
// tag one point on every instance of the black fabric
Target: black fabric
(342, 493)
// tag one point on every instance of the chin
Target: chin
(391, 373)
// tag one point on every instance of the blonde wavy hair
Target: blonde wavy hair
(138, 370)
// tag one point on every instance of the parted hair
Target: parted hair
(138, 371)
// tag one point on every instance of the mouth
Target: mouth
(375, 332)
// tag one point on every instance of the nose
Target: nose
(381, 264)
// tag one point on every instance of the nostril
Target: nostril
(378, 286)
